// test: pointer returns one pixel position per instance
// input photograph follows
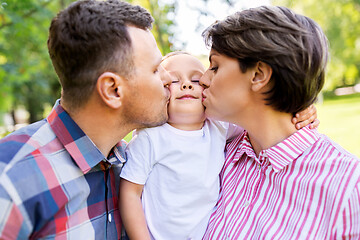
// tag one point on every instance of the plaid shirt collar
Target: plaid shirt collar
(281, 154)
(84, 152)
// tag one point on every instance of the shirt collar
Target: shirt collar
(84, 152)
(117, 155)
(284, 152)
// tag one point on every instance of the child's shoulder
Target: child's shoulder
(150, 134)
(150, 130)
(218, 124)
(229, 129)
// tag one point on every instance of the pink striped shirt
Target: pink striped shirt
(305, 187)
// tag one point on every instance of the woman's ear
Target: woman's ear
(110, 89)
(262, 76)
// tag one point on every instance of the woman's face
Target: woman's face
(227, 89)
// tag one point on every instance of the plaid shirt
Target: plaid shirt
(55, 183)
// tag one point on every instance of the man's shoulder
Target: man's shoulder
(22, 143)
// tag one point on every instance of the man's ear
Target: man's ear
(110, 89)
(262, 76)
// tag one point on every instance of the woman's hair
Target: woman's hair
(294, 46)
(89, 38)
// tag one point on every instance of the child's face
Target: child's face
(185, 90)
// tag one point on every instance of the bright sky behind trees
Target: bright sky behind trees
(190, 23)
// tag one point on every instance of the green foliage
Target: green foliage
(163, 14)
(26, 73)
(340, 21)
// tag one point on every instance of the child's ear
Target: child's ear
(110, 89)
(262, 76)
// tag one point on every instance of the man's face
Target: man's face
(186, 93)
(146, 104)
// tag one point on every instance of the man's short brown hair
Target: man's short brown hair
(89, 38)
(293, 45)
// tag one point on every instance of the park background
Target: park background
(29, 86)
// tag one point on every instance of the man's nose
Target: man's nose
(205, 79)
(165, 76)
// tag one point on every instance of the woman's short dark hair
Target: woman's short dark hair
(293, 45)
(89, 38)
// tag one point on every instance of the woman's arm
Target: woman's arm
(131, 210)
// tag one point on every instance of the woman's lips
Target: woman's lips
(203, 97)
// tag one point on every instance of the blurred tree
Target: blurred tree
(27, 77)
(164, 14)
(340, 21)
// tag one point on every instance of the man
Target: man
(277, 182)
(59, 177)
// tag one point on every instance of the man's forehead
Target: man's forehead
(144, 45)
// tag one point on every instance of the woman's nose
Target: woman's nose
(205, 79)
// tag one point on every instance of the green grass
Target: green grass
(128, 137)
(340, 120)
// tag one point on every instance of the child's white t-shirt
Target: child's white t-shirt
(180, 173)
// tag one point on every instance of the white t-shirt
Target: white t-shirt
(180, 173)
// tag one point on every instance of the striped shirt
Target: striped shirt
(55, 183)
(305, 187)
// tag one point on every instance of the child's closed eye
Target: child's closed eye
(174, 79)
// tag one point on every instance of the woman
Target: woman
(266, 64)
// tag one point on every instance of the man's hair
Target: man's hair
(89, 38)
(294, 46)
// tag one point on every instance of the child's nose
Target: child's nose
(187, 85)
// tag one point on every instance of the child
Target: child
(170, 183)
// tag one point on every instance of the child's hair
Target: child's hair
(170, 54)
